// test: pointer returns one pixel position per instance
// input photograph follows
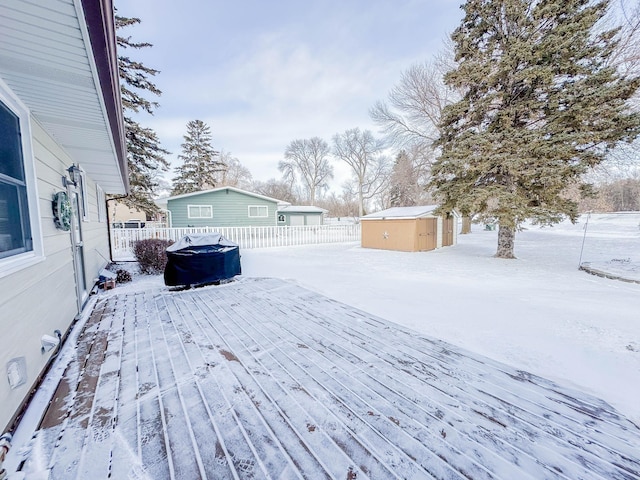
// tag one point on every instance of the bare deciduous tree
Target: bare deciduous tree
(308, 161)
(623, 161)
(411, 115)
(363, 153)
(626, 57)
(341, 206)
(412, 112)
(276, 189)
(235, 174)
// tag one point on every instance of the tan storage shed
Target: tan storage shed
(408, 229)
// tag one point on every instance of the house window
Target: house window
(20, 241)
(258, 211)
(102, 204)
(199, 211)
(281, 218)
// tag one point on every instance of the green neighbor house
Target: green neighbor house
(223, 207)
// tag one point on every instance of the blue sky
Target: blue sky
(264, 73)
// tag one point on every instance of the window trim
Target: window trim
(266, 207)
(14, 263)
(189, 207)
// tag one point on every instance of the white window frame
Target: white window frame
(102, 204)
(14, 263)
(199, 215)
(259, 207)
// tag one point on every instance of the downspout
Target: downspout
(169, 221)
(73, 196)
(109, 226)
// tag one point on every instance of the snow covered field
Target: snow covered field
(538, 313)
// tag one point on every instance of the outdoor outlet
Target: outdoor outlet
(48, 343)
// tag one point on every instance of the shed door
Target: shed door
(447, 231)
(313, 219)
(426, 229)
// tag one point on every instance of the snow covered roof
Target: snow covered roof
(403, 212)
(233, 189)
(302, 209)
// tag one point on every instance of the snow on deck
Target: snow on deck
(261, 378)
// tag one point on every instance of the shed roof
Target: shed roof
(403, 212)
(60, 59)
(302, 209)
(164, 201)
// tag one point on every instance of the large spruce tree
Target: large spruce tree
(541, 105)
(201, 165)
(145, 156)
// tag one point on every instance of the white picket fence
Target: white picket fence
(123, 239)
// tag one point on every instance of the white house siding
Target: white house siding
(41, 298)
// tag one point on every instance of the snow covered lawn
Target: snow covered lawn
(538, 313)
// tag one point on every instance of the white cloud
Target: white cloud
(262, 77)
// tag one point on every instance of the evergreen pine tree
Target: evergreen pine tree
(541, 105)
(201, 164)
(145, 156)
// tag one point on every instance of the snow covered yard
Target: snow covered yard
(261, 378)
(538, 313)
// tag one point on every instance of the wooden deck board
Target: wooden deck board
(261, 378)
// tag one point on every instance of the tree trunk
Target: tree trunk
(506, 237)
(466, 225)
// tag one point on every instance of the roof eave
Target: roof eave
(100, 22)
(235, 189)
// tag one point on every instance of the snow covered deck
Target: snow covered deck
(261, 378)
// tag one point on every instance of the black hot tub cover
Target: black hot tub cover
(201, 258)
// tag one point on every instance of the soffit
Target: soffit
(46, 59)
